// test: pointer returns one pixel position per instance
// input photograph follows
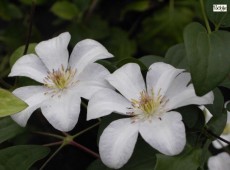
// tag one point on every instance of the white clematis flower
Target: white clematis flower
(219, 162)
(64, 79)
(226, 133)
(149, 111)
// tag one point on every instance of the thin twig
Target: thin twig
(30, 27)
(47, 161)
(87, 150)
(66, 134)
(87, 129)
(53, 143)
(218, 137)
(205, 16)
(49, 134)
(91, 9)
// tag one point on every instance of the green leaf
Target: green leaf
(192, 116)
(204, 53)
(226, 82)
(131, 60)
(139, 5)
(14, 11)
(37, 2)
(9, 11)
(194, 121)
(150, 59)
(107, 64)
(21, 157)
(176, 56)
(4, 67)
(65, 10)
(205, 154)
(164, 29)
(120, 45)
(221, 19)
(9, 129)
(143, 158)
(97, 29)
(98, 165)
(218, 104)
(10, 104)
(188, 160)
(83, 5)
(19, 53)
(217, 123)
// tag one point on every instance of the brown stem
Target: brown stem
(91, 9)
(53, 144)
(30, 27)
(87, 150)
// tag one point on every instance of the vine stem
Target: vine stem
(85, 130)
(68, 139)
(87, 150)
(49, 134)
(30, 27)
(53, 143)
(47, 161)
(171, 6)
(91, 9)
(205, 16)
(218, 137)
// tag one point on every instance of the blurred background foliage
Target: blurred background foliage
(141, 31)
(127, 28)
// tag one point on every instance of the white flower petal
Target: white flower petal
(85, 52)
(54, 52)
(219, 162)
(218, 144)
(160, 76)
(228, 112)
(92, 79)
(207, 114)
(62, 112)
(117, 142)
(29, 66)
(188, 96)
(166, 134)
(33, 96)
(128, 81)
(105, 102)
(179, 84)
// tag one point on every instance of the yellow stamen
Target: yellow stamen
(147, 105)
(60, 79)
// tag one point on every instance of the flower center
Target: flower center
(60, 79)
(226, 129)
(148, 105)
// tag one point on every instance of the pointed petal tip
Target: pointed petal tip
(19, 122)
(91, 42)
(11, 74)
